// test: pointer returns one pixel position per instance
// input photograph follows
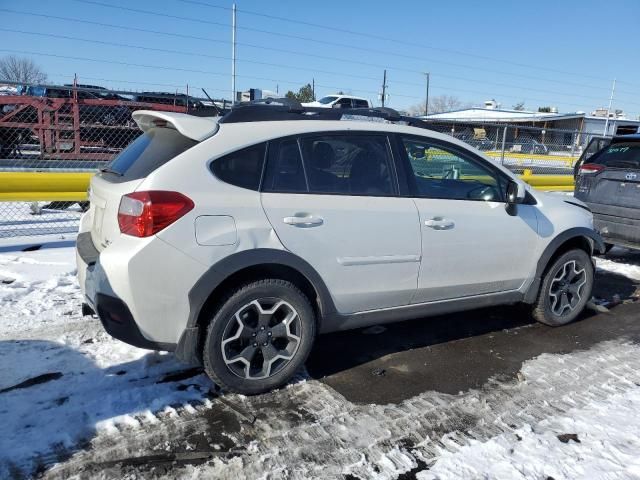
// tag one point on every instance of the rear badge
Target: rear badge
(630, 176)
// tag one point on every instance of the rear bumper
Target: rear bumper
(114, 314)
(117, 320)
(615, 229)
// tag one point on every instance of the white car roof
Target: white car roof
(345, 96)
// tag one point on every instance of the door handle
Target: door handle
(439, 223)
(304, 222)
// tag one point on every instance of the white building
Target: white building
(561, 128)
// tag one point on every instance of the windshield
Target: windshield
(618, 155)
(148, 152)
(326, 100)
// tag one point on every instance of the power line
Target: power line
(272, 64)
(111, 25)
(339, 59)
(113, 80)
(183, 53)
(150, 12)
(343, 45)
(390, 39)
(206, 72)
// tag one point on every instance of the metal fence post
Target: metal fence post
(504, 138)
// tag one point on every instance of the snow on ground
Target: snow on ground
(607, 446)
(98, 399)
(91, 381)
(621, 261)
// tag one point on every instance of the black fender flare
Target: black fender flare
(187, 347)
(597, 247)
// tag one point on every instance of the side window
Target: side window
(361, 104)
(443, 172)
(285, 173)
(344, 103)
(348, 164)
(242, 168)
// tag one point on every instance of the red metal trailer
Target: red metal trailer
(69, 128)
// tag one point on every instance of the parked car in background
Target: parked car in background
(479, 143)
(235, 241)
(176, 99)
(529, 145)
(339, 101)
(609, 183)
(595, 145)
(94, 114)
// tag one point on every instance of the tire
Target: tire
(571, 273)
(250, 345)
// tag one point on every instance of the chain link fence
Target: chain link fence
(70, 128)
(81, 128)
(543, 151)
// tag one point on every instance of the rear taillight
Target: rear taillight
(591, 168)
(142, 214)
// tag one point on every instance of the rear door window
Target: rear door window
(148, 152)
(285, 173)
(619, 155)
(351, 164)
(344, 103)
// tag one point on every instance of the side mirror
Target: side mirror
(516, 193)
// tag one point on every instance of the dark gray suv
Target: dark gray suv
(609, 182)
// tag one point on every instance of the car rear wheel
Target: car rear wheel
(259, 337)
(566, 289)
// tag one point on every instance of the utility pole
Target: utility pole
(606, 122)
(426, 100)
(384, 87)
(233, 55)
(313, 88)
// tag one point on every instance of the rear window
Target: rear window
(148, 152)
(242, 168)
(618, 155)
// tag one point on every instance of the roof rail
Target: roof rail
(280, 109)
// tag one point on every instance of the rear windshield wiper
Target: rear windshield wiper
(110, 170)
(623, 164)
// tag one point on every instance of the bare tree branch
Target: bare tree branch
(21, 70)
(439, 104)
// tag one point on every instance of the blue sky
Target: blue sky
(560, 53)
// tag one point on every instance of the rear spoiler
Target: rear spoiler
(195, 128)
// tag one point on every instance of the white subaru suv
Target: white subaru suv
(233, 242)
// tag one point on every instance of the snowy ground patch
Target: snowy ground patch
(622, 261)
(599, 440)
(76, 403)
(63, 379)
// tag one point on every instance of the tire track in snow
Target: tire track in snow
(307, 430)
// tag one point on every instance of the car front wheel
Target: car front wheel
(566, 289)
(259, 337)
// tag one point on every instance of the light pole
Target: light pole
(233, 55)
(606, 122)
(426, 100)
